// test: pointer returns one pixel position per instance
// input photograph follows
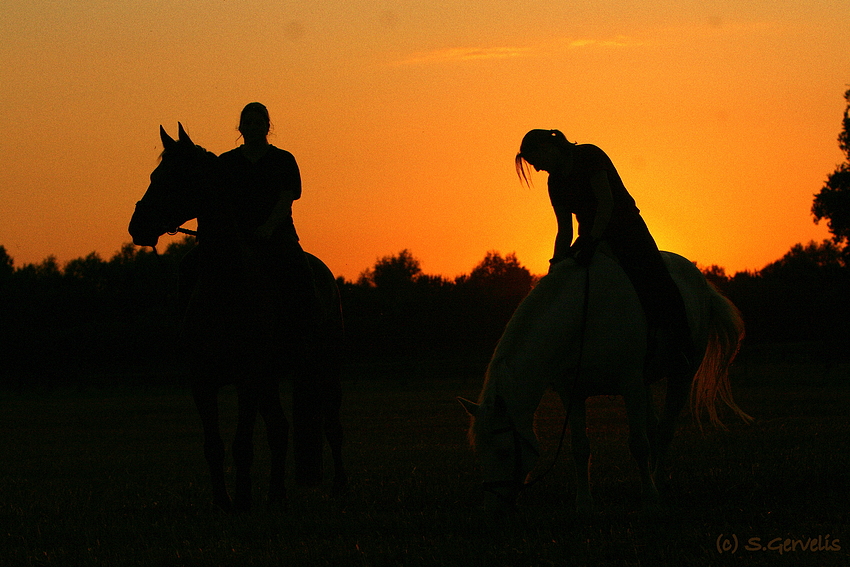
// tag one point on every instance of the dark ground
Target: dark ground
(115, 476)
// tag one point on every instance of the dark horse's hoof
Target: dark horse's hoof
(277, 500)
(223, 503)
(340, 486)
(242, 503)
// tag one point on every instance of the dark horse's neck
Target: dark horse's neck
(214, 204)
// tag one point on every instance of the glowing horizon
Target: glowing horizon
(721, 120)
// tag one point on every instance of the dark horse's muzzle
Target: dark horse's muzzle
(144, 226)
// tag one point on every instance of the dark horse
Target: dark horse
(235, 331)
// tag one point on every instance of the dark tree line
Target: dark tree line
(833, 201)
(396, 312)
(97, 321)
(800, 301)
(89, 318)
(93, 320)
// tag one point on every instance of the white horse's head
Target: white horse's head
(539, 348)
(506, 446)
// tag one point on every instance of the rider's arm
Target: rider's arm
(281, 211)
(564, 238)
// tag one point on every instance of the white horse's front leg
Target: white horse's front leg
(637, 410)
(581, 456)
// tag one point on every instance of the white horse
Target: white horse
(596, 346)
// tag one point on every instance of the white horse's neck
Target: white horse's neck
(538, 346)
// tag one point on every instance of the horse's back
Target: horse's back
(557, 329)
(696, 293)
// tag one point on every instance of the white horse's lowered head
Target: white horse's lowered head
(585, 344)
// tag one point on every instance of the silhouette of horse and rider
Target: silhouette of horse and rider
(257, 307)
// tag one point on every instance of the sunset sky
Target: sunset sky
(405, 117)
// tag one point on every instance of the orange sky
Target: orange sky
(721, 117)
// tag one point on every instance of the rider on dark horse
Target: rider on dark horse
(262, 181)
(258, 185)
(584, 182)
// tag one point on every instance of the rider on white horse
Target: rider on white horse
(584, 182)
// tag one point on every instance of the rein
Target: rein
(569, 408)
(182, 230)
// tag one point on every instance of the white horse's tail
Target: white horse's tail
(711, 382)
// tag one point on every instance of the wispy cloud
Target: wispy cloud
(619, 41)
(455, 54)
(466, 54)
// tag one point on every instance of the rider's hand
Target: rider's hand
(556, 260)
(584, 252)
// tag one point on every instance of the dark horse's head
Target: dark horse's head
(177, 190)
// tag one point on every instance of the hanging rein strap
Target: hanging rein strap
(182, 230)
(569, 408)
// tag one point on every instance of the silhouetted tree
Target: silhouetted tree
(716, 275)
(89, 318)
(504, 277)
(800, 298)
(833, 201)
(822, 256)
(392, 272)
(7, 265)
(490, 295)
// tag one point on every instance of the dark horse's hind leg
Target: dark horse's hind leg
(317, 401)
(333, 433)
(675, 400)
(277, 435)
(206, 400)
(307, 426)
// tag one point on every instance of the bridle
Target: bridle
(507, 490)
(158, 212)
(151, 211)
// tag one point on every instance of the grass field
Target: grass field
(116, 477)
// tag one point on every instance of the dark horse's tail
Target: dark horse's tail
(317, 391)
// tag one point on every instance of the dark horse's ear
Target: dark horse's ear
(167, 141)
(182, 135)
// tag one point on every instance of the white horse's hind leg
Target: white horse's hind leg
(637, 410)
(651, 427)
(580, 446)
(674, 401)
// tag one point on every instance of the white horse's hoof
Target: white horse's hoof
(587, 511)
(586, 508)
(653, 510)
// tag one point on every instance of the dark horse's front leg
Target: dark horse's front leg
(206, 400)
(263, 397)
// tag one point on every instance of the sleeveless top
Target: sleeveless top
(574, 192)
